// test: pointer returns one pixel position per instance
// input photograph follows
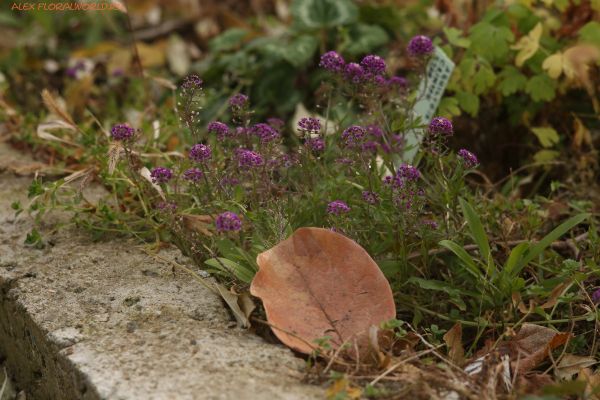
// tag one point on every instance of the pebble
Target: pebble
(14, 291)
(132, 326)
(193, 342)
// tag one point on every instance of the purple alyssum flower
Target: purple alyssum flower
(398, 82)
(230, 181)
(191, 83)
(370, 197)
(370, 147)
(161, 175)
(122, 133)
(373, 65)
(344, 161)
(264, 132)
(200, 153)
(374, 131)
(316, 144)
(309, 124)
(275, 123)
(288, 160)
(167, 207)
(220, 129)
(338, 230)
(354, 72)
(596, 296)
(409, 172)
(332, 61)
(468, 157)
(337, 207)
(429, 224)
(247, 159)
(396, 182)
(228, 222)
(352, 134)
(420, 46)
(193, 175)
(441, 126)
(238, 101)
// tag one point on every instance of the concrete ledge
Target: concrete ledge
(103, 321)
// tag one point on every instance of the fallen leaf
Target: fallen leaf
(532, 384)
(344, 388)
(592, 379)
(516, 298)
(453, 340)
(572, 364)
(233, 300)
(199, 222)
(528, 45)
(582, 135)
(332, 285)
(555, 294)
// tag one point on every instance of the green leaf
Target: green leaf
(97, 235)
(483, 79)
(468, 102)
(477, 231)
(547, 240)
(541, 87)
(240, 271)
(590, 33)
(363, 38)
(389, 268)
(448, 107)
(238, 193)
(515, 255)
(512, 81)
(227, 40)
(467, 67)
(490, 40)
(546, 155)
(453, 35)
(463, 255)
(33, 237)
(300, 50)
(318, 14)
(547, 136)
(35, 189)
(432, 284)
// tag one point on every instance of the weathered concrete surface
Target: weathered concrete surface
(103, 321)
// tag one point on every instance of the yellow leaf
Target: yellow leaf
(546, 135)
(554, 65)
(582, 134)
(100, 48)
(528, 45)
(546, 155)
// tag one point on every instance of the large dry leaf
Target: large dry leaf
(552, 297)
(592, 379)
(319, 283)
(572, 364)
(453, 339)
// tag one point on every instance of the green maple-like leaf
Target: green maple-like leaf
(512, 81)
(490, 40)
(541, 88)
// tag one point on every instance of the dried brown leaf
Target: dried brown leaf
(532, 384)
(453, 339)
(332, 284)
(582, 135)
(555, 294)
(592, 379)
(572, 364)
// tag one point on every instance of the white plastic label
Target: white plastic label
(439, 70)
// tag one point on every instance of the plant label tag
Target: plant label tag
(439, 71)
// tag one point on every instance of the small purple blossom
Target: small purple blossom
(370, 147)
(118, 72)
(275, 123)
(191, 82)
(374, 131)
(468, 157)
(167, 207)
(264, 132)
(337, 207)
(200, 153)
(380, 81)
(72, 72)
(332, 61)
(341, 231)
(247, 159)
(429, 224)
(354, 72)
(288, 160)
(121, 132)
(397, 81)
(409, 172)
(420, 46)
(373, 65)
(396, 182)
(316, 144)
(161, 175)
(193, 175)
(353, 134)
(309, 124)
(441, 126)
(220, 129)
(370, 197)
(230, 181)
(228, 222)
(596, 296)
(344, 161)
(238, 101)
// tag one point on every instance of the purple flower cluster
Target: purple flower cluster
(468, 157)
(373, 65)
(220, 129)
(309, 124)
(316, 144)
(200, 153)
(344, 161)
(338, 230)
(228, 222)
(161, 175)
(238, 101)
(354, 72)
(396, 182)
(397, 81)
(429, 224)
(380, 81)
(193, 175)
(167, 207)
(230, 181)
(264, 132)
(374, 131)
(247, 159)
(596, 296)
(409, 172)
(288, 160)
(441, 126)
(352, 134)
(275, 123)
(370, 197)
(337, 207)
(191, 82)
(372, 147)
(332, 61)
(420, 46)
(122, 132)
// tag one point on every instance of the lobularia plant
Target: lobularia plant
(244, 187)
